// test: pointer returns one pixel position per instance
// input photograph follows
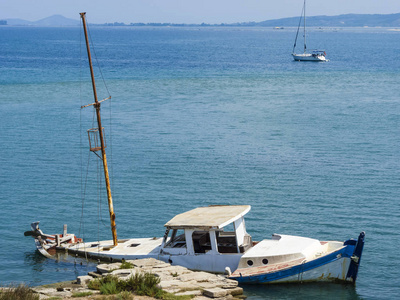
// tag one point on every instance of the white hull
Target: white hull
(331, 261)
(151, 248)
(308, 57)
(333, 271)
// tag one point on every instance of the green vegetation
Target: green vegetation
(125, 296)
(19, 292)
(140, 283)
(109, 288)
(81, 294)
(143, 284)
(126, 265)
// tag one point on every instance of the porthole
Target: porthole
(265, 261)
(249, 262)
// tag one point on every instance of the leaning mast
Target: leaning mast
(102, 147)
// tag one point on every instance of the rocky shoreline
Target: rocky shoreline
(176, 280)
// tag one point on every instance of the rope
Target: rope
(83, 183)
(98, 201)
(111, 147)
(84, 179)
(100, 218)
(298, 28)
(109, 95)
(97, 61)
(82, 223)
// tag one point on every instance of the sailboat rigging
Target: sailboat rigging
(315, 55)
(99, 130)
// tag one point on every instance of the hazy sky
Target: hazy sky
(188, 11)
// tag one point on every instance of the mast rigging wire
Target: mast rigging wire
(298, 28)
(84, 181)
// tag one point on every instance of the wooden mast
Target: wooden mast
(100, 130)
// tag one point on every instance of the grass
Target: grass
(125, 295)
(19, 292)
(126, 265)
(142, 284)
(109, 288)
(82, 294)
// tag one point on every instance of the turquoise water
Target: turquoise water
(203, 116)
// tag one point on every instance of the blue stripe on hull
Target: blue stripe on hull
(296, 270)
(356, 257)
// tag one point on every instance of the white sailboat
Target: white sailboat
(314, 55)
(214, 239)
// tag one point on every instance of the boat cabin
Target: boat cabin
(316, 53)
(208, 230)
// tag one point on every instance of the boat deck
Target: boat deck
(282, 245)
(125, 248)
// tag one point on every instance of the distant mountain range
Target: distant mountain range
(56, 20)
(348, 20)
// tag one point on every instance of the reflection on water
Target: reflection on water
(302, 291)
(63, 267)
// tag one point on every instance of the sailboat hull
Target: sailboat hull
(309, 57)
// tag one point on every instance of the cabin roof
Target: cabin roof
(214, 216)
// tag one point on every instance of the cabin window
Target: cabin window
(201, 241)
(230, 228)
(226, 241)
(177, 239)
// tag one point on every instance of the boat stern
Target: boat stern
(333, 261)
(355, 257)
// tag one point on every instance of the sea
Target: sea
(201, 116)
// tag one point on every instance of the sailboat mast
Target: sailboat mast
(100, 130)
(305, 47)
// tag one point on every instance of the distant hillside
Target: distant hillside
(17, 22)
(349, 20)
(56, 20)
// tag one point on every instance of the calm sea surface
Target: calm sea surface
(203, 116)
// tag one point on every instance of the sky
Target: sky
(188, 11)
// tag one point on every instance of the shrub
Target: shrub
(94, 284)
(144, 284)
(125, 295)
(126, 265)
(19, 292)
(106, 285)
(109, 288)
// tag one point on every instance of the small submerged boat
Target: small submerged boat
(213, 239)
(315, 55)
(47, 244)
